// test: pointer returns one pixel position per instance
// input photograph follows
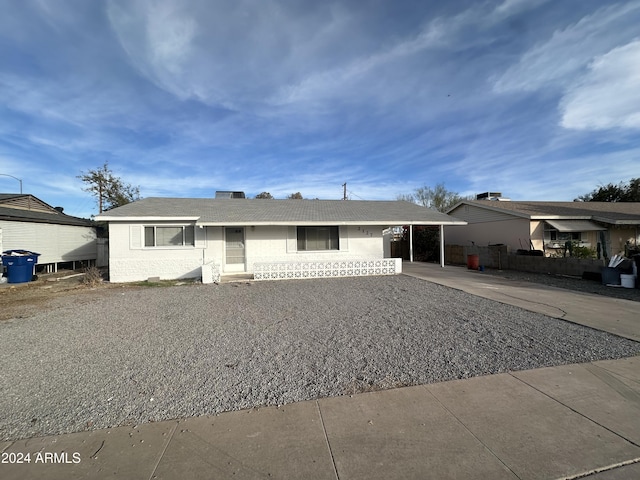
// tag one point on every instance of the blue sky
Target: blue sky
(538, 99)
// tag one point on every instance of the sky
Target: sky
(537, 99)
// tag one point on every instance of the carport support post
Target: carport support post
(411, 243)
(442, 245)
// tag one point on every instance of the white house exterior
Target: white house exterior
(28, 223)
(174, 238)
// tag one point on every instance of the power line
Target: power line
(351, 193)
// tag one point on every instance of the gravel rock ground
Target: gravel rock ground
(569, 283)
(129, 356)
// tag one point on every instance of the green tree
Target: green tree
(438, 197)
(265, 195)
(623, 192)
(295, 196)
(110, 191)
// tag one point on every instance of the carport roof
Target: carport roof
(211, 211)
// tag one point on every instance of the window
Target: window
(168, 236)
(553, 235)
(318, 238)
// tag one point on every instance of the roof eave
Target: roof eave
(155, 218)
(382, 223)
(207, 223)
(613, 221)
(561, 217)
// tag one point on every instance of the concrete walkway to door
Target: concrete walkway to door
(613, 315)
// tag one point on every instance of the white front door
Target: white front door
(234, 249)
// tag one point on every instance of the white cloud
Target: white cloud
(568, 51)
(608, 95)
(170, 35)
(158, 40)
(509, 8)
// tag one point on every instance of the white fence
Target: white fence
(210, 273)
(338, 268)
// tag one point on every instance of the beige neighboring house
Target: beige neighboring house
(546, 226)
(28, 223)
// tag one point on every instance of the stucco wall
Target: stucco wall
(513, 233)
(619, 236)
(129, 263)
(54, 243)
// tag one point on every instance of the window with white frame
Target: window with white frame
(318, 238)
(169, 236)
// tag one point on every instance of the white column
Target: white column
(442, 246)
(411, 243)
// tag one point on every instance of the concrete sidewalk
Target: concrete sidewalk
(566, 422)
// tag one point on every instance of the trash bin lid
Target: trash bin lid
(19, 253)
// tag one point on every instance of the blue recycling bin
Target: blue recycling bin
(20, 265)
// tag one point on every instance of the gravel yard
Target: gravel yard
(113, 357)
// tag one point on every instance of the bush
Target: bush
(92, 276)
(580, 251)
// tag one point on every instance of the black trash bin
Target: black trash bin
(20, 265)
(610, 276)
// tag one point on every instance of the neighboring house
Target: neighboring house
(28, 223)
(547, 226)
(174, 237)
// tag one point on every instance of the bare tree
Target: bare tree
(438, 197)
(295, 196)
(109, 190)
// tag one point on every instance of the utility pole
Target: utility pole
(344, 194)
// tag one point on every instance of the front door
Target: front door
(234, 249)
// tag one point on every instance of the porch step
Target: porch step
(236, 278)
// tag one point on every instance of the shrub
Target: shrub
(92, 276)
(580, 251)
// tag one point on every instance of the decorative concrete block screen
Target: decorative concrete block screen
(336, 268)
(210, 273)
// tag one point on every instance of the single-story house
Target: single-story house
(28, 223)
(174, 238)
(546, 226)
